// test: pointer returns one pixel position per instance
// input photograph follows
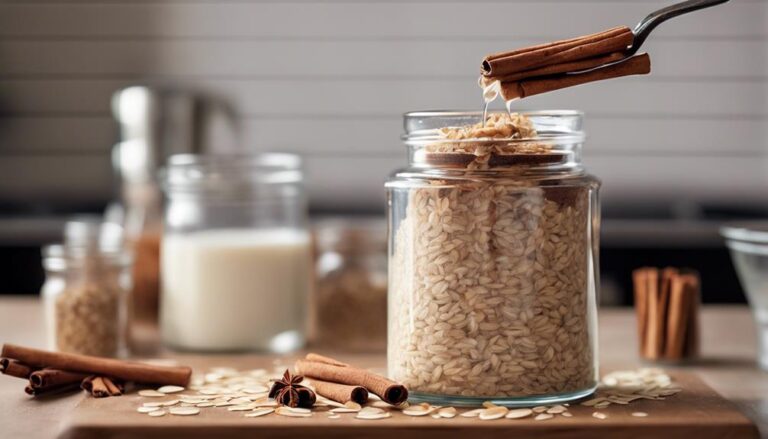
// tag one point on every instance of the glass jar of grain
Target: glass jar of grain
(350, 297)
(493, 260)
(235, 257)
(86, 284)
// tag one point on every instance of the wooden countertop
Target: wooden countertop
(728, 364)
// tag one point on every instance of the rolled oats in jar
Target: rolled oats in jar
(493, 260)
(87, 280)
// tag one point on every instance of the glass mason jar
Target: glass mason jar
(235, 256)
(87, 280)
(351, 282)
(493, 264)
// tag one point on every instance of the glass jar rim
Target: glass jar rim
(60, 257)
(231, 170)
(422, 127)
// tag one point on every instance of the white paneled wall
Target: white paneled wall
(330, 79)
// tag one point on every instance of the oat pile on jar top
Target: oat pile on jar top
(493, 260)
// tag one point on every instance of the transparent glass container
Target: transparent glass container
(350, 300)
(86, 284)
(142, 224)
(235, 255)
(493, 264)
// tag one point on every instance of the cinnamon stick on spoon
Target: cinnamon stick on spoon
(603, 55)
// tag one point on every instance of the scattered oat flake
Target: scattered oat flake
(566, 414)
(170, 402)
(489, 404)
(447, 412)
(157, 413)
(301, 410)
(592, 401)
(184, 411)
(540, 409)
(334, 416)
(543, 416)
(170, 389)
(265, 404)
(259, 412)
(153, 404)
(372, 413)
(422, 409)
(144, 409)
(238, 401)
(518, 413)
(287, 411)
(639, 414)
(204, 404)
(352, 405)
(255, 389)
(150, 393)
(343, 410)
(241, 408)
(556, 409)
(210, 391)
(328, 402)
(472, 413)
(193, 400)
(599, 415)
(492, 413)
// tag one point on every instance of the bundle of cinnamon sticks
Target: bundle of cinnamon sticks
(52, 372)
(667, 307)
(552, 66)
(342, 383)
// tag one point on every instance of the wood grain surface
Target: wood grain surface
(698, 412)
(727, 365)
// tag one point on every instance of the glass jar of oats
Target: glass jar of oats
(493, 260)
(86, 284)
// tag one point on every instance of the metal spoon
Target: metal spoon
(654, 19)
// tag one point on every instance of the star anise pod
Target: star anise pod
(288, 391)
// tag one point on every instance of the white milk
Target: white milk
(235, 289)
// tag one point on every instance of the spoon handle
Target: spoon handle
(653, 19)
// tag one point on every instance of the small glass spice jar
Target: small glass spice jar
(87, 280)
(493, 260)
(350, 300)
(235, 257)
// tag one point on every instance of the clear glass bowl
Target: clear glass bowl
(748, 244)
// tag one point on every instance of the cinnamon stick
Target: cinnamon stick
(114, 388)
(665, 285)
(37, 391)
(53, 377)
(641, 303)
(636, 65)
(323, 359)
(15, 368)
(340, 392)
(124, 370)
(612, 40)
(338, 372)
(679, 305)
(652, 335)
(574, 66)
(96, 386)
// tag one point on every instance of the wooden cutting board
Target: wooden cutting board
(697, 412)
